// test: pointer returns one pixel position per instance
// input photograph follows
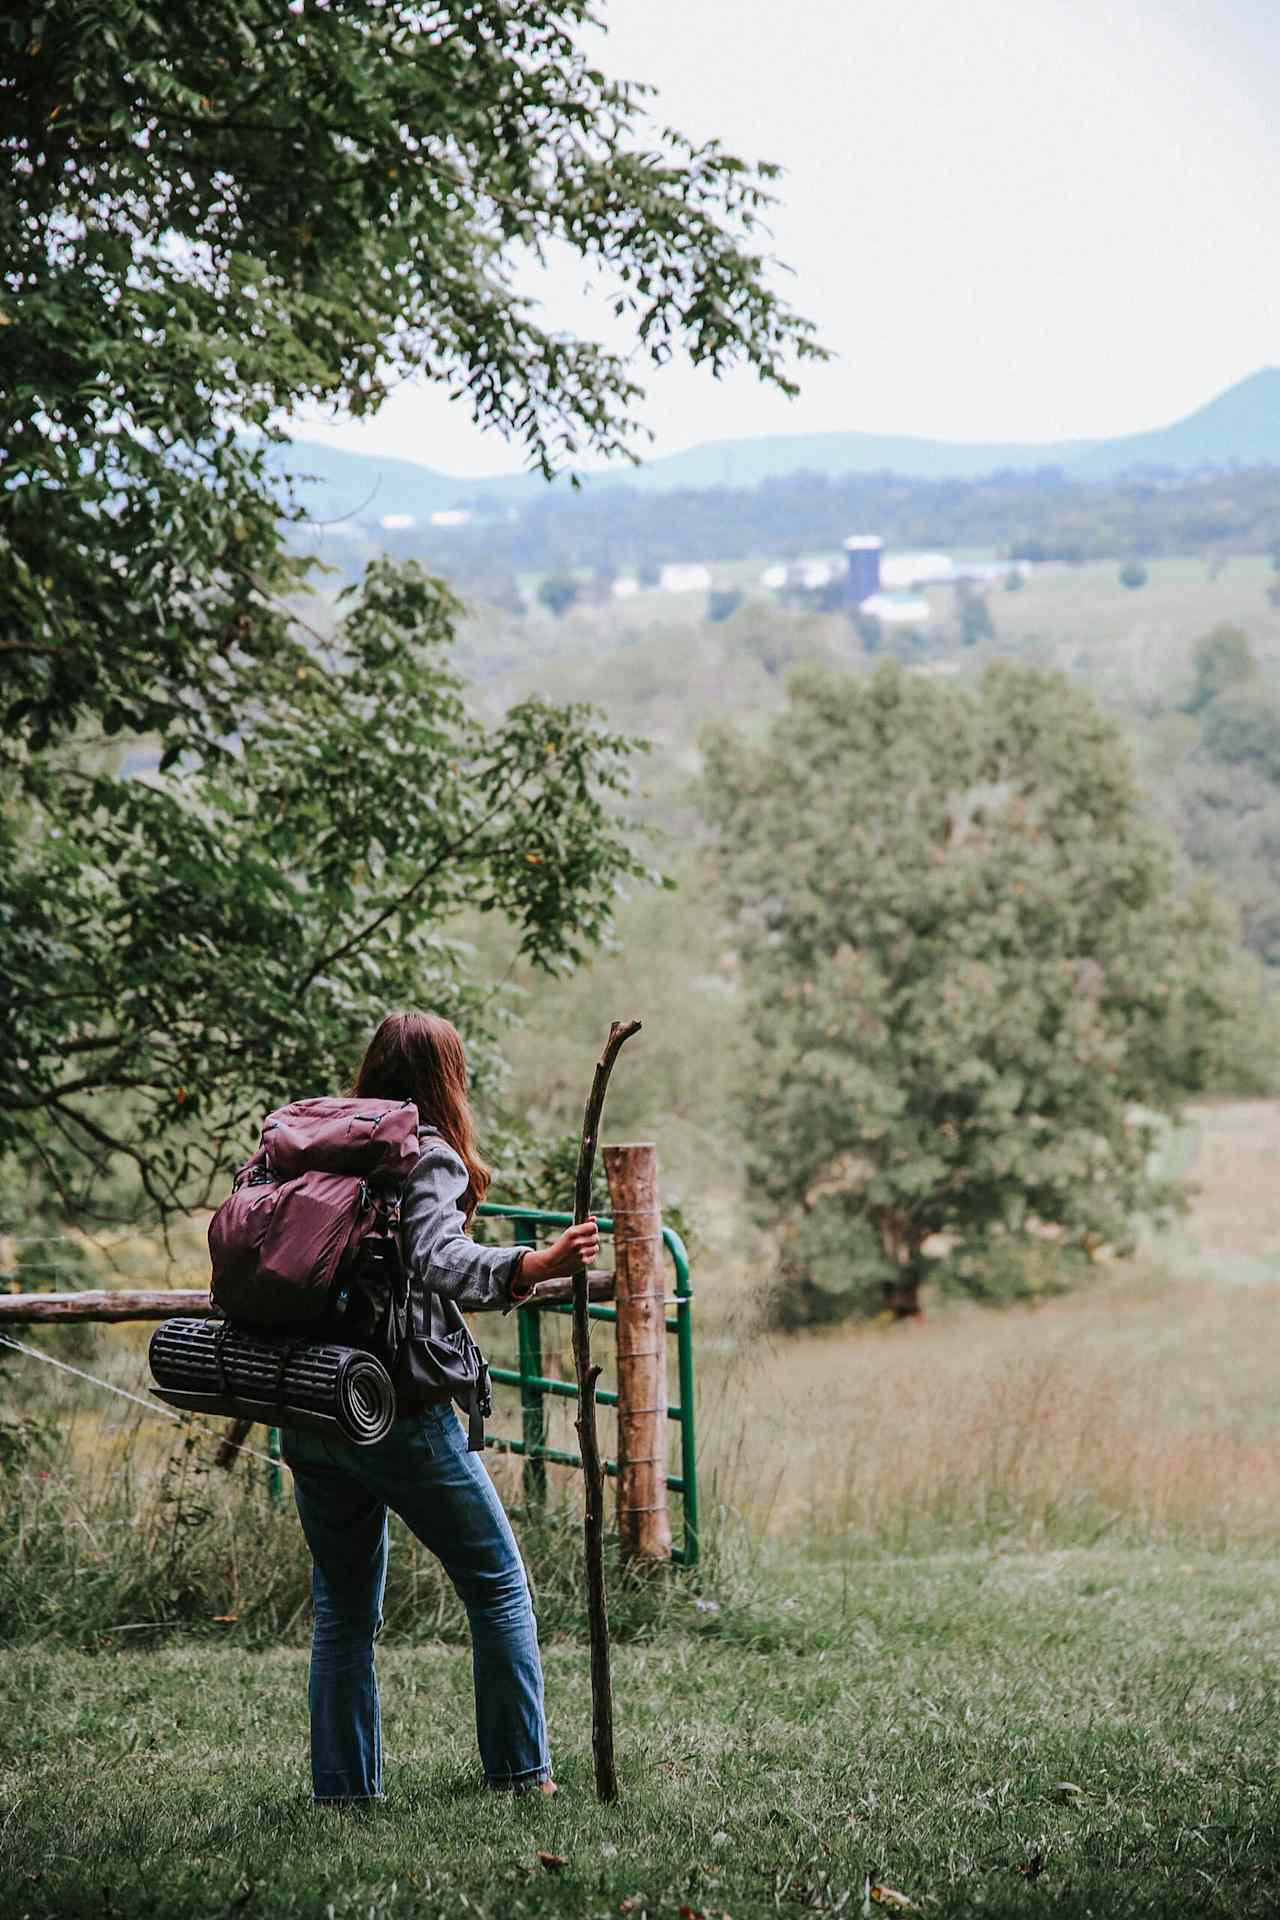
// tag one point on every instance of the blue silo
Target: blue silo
(864, 550)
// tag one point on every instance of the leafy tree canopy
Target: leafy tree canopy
(970, 985)
(558, 592)
(185, 948)
(229, 842)
(1242, 728)
(216, 212)
(1215, 763)
(1222, 659)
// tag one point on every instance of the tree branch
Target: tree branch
(88, 1083)
(107, 1141)
(401, 900)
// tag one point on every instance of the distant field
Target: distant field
(1178, 589)
(1136, 643)
(1143, 1407)
(658, 668)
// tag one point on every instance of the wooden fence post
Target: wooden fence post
(644, 1525)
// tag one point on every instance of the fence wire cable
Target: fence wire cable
(148, 1406)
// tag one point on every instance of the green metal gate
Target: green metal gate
(535, 1386)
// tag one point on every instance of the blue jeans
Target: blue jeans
(422, 1471)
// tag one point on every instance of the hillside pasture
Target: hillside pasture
(662, 669)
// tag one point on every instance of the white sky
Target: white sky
(1012, 219)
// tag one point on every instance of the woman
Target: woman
(422, 1469)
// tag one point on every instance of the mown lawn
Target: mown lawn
(1082, 1732)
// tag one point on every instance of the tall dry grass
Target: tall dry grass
(1143, 1408)
(1143, 1416)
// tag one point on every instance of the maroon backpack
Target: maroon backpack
(308, 1243)
(316, 1207)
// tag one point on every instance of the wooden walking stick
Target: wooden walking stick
(588, 1440)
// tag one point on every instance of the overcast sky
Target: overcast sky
(1011, 219)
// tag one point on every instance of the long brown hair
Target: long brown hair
(420, 1057)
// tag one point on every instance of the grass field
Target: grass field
(1080, 1733)
(662, 670)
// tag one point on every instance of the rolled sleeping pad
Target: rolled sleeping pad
(207, 1366)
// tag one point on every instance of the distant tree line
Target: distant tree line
(1037, 517)
(1219, 785)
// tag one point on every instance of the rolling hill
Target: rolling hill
(1240, 427)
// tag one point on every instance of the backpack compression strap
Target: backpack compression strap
(479, 1404)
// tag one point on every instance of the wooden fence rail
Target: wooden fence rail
(41, 1309)
(53, 1309)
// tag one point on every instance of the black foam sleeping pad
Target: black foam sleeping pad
(208, 1366)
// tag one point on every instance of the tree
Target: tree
(723, 603)
(558, 592)
(1227, 819)
(218, 212)
(1242, 728)
(970, 986)
(1214, 764)
(976, 623)
(184, 948)
(1222, 659)
(229, 837)
(1133, 575)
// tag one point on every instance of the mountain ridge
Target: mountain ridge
(1238, 427)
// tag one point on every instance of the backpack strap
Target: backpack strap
(391, 1227)
(479, 1404)
(287, 1352)
(219, 1360)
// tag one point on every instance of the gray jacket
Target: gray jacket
(440, 1256)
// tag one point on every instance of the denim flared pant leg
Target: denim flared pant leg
(423, 1472)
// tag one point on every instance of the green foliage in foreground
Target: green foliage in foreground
(1071, 1734)
(185, 949)
(226, 845)
(218, 214)
(967, 973)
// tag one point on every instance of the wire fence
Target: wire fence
(152, 1407)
